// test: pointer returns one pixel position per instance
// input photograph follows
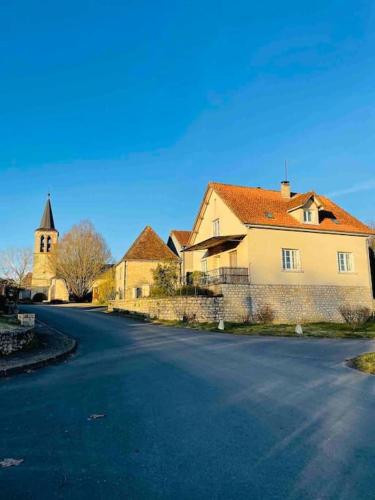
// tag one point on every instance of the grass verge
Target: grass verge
(364, 363)
(318, 330)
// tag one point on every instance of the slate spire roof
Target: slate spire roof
(47, 223)
(149, 246)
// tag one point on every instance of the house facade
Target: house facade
(300, 254)
(177, 242)
(133, 275)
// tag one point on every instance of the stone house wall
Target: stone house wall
(14, 339)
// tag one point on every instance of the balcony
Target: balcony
(226, 276)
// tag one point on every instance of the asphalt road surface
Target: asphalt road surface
(188, 415)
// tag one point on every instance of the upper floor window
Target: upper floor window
(216, 227)
(291, 259)
(49, 243)
(42, 243)
(307, 216)
(345, 260)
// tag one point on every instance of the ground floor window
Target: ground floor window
(345, 261)
(291, 260)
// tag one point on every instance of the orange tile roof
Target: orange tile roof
(251, 206)
(149, 246)
(181, 236)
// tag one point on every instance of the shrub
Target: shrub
(264, 314)
(165, 278)
(2, 303)
(183, 291)
(355, 316)
(191, 290)
(157, 291)
(247, 318)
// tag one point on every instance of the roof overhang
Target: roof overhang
(306, 230)
(215, 241)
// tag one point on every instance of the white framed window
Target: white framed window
(345, 262)
(307, 216)
(216, 227)
(291, 260)
(204, 265)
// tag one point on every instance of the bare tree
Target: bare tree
(81, 256)
(15, 264)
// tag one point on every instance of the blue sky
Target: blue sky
(125, 110)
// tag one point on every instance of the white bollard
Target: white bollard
(299, 330)
(221, 325)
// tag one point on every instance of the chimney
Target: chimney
(285, 190)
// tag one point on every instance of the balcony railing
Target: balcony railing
(226, 275)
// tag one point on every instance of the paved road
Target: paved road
(189, 416)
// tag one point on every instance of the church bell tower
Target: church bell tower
(45, 239)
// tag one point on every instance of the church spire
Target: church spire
(47, 223)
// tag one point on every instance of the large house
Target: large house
(299, 253)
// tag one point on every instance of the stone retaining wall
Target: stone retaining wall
(239, 303)
(293, 303)
(201, 309)
(14, 339)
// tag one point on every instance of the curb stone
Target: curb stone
(59, 346)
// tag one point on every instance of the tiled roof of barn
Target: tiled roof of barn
(149, 246)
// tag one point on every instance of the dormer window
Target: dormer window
(307, 216)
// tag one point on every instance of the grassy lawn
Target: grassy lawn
(320, 330)
(365, 362)
(8, 321)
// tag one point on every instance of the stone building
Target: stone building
(44, 283)
(134, 272)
